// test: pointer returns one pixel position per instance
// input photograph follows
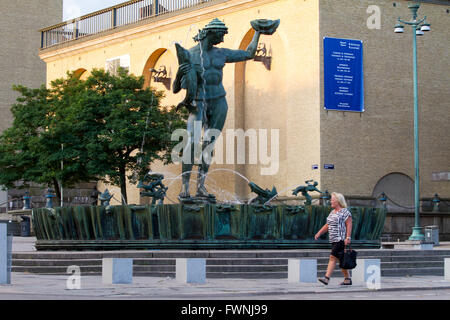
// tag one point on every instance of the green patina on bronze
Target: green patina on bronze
(200, 72)
(310, 187)
(154, 189)
(264, 195)
(206, 226)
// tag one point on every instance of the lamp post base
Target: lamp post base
(417, 234)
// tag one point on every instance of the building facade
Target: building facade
(20, 63)
(278, 99)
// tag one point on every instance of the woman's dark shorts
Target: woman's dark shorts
(337, 249)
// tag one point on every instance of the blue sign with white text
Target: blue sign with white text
(343, 74)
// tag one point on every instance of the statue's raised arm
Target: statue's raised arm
(261, 26)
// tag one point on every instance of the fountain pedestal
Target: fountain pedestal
(197, 226)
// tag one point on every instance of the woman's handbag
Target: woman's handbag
(348, 260)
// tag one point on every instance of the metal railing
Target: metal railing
(119, 15)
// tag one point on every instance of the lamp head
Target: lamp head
(425, 27)
(399, 28)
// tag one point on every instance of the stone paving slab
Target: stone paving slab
(91, 287)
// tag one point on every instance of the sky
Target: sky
(75, 8)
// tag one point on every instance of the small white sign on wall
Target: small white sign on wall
(440, 176)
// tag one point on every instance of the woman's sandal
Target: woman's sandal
(324, 281)
(346, 283)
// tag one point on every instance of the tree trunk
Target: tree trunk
(57, 189)
(123, 185)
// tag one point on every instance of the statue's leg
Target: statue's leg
(186, 176)
(217, 114)
(308, 199)
(188, 161)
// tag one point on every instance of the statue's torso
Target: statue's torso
(209, 67)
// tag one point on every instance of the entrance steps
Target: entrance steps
(254, 264)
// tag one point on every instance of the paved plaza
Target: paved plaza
(54, 287)
(59, 287)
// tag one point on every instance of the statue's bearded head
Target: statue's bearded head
(215, 31)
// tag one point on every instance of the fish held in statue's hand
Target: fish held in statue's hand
(186, 78)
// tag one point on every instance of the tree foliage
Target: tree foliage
(81, 130)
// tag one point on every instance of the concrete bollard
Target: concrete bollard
(424, 246)
(302, 270)
(191, 270)
(117, 271)
(447, 269)
(5, 254)
(368, 271)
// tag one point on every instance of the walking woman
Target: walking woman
(339, 228)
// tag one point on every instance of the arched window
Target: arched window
(81, 73)
(399, 189)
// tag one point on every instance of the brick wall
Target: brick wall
(20, 39)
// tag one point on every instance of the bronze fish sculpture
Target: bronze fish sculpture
(186, 81)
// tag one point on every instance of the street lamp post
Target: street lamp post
(418, 27)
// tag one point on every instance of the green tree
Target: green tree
(20, 155)
(97, 129)
(124, 126)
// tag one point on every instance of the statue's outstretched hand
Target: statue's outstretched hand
(264, 26)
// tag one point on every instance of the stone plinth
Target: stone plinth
(408, 245)
(117, 271)
(414, 245)
(191, 270)
(447, 269)
(5, 254)
(302, 270)
(367, 271)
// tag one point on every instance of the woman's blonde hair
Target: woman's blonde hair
(340, 198)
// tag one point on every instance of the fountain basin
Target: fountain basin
(206, 226)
